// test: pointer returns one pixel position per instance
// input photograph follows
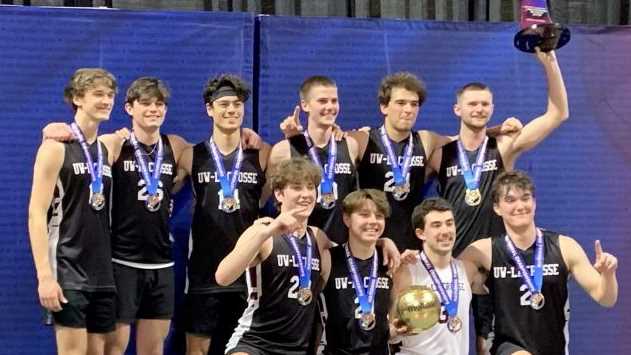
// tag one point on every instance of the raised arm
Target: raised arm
(598, 280)
(556, 113)
(45, 173)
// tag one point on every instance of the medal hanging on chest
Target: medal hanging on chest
(400, 172)
(366, 296)
(327, 189)
(537, 300)
(152, 179)
(228, 193)
(305, 296)
(472, 174)
(97, 198)
(454, 323)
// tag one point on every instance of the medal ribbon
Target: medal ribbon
(328, 176)
(304, 271)
(450, 303)
(227, 185)
(96, 177)
(399, 171)
(366, 296)
(154, 179)
(535, 283)
(472, 174)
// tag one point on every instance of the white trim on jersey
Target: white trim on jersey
(255, 292)
(54, 225)
(143, 265)
(188, 258)
(324, 316)
(566, 327)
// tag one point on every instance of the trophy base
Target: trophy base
(547, 36)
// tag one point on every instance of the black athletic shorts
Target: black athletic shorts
(94, 311)
(213, 314)
(506, 348)
(143, 293)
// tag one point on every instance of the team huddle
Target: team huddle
(325, 274)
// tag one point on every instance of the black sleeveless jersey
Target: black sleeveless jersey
(79, 236)
(343, 333)
(375, 172)
(138, 235)
(472, 222)
(515, 321)
(214, 232)
(330, 221)
(274, 322)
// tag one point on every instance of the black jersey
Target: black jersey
(138, 235)
(515, 321)
(330, 220)
(343, 333)
(79, 236)
(472, 222)
(214, 232)
(375, 172)
(274, 322)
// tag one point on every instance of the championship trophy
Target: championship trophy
(419, 308)
(538, 30)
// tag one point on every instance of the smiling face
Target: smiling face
(321, 104)
(516, 206)
(474, 107)
(402, 109)
(147, 113)
(366, 223)
(438, 233)
(95, 103)
(227, 113)
(297, 195)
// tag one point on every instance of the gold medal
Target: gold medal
(537, 301)
(304, 296)
(153, 202)
(97, 201)
(367, 321)
(400, 191)
(229, 204)
(328, 200)
(454, 324)
(472, 197)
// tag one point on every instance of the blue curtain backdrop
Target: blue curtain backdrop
(582, 170)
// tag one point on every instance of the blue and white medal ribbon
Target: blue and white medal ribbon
(228, 183)
(152, 181)
(365, 296)
(537, 300)
(327, 193)
(454, 323)
(97, 198)
(399, 172)
(472, 174)
(304, 270)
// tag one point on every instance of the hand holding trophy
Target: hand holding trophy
(538, 30)
(419, 308)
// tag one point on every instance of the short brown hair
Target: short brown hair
(354, 201)
(85, 79)
(147, 86)
(405, 80)
(233, 81)
(511, 179)
(295, 171)
(475, 85)
(428, 205)
(313, 81)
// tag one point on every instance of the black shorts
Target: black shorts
(483, 314)
(213, 315)
(243, 348)
(143, 293)
(94, 311)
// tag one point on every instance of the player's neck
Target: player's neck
(394, 134)
(302, 230)
(522, 237)
(471, 138)
(226, 140)
(319, 134)
(439, 260)
(146, 135)
(360, 250)
(89, 126)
